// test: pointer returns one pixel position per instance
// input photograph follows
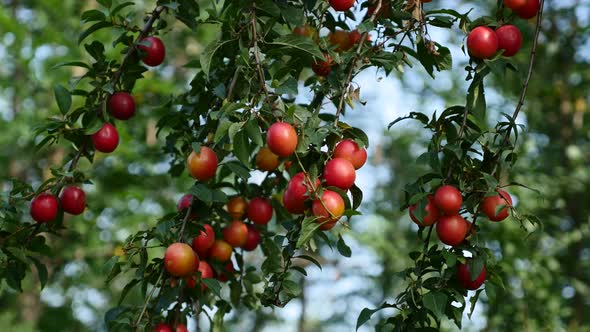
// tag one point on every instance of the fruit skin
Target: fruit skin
(44, 208)
(323, 68)
(252, 240)
(106, 139)
(349, 150)
(296, 193)
(266, 160)
(281, 139)
(341, 5)
(431, 216)
(236, 233)
(220, 251)
(451, 230)
(509, 39)
(73, 200)
(448, 199)
(489, 204)
(202, 243)
(529, 10)
(228, 269)
(203, 165)
(184, 202)
(260, 211)
(383, 11)
(122, 105)
(155, 52)
(514, 4)
(206, 272)
(340, 39)
(162, 327)
(181, 328)
(464, 277)
(355, 37)
(482, 42)
(334, 203)
(180, 260)
(237, 208)
(305, 31)
(340, 173)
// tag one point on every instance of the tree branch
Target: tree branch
(257, 57)
(355, 59)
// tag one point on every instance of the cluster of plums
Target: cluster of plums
(341, 40)
(443, 208)
(483, 42)
(44, 207)
(182, 260)
(121, 104)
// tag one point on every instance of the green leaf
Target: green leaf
(105, 3)
(476, 102)
(222, 129)
(366, 314)
(413, 115)
(299, 269)
(475, 267)
(201, 192)
(41, 271)
(359, 134)
(112, 268)
(301, 43)
(436, 302)
(240, 147)
(311, 259)
(473, 301)
(238, 169)
(291, 287)
(118, 8)
(63, 97)
(357, 196)
(213, 285)
(208, 53)
(19, 254)
(288, 87)
(253, 130)
(95, 27)
(308, 228)
(93, 15)
(126, 289)
(71, 64)
(343, 248)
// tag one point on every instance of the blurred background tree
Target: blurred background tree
(547, 274)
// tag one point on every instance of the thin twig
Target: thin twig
(257, 57)
(525, 85)
(188, 213)
(353, 63)
(232, 85)
(147, 300)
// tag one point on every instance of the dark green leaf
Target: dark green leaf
(213, 285)
(63, 97)
(436, 302)
(343, 249)
(301, 43)
(93, 28)
(209, 52)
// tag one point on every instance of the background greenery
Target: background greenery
(547, 274)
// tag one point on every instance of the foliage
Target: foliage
(247, 79)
